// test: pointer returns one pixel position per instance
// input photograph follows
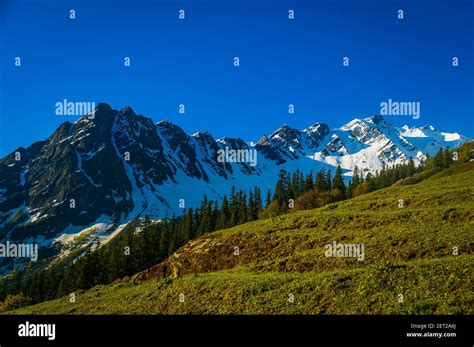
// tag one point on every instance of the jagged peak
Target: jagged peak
(284, 131)
(314, 126)
(234, 142)
(101, 111)
(127, 109)
(377, 119)
(11, 156)
(355, 122)
(61, 131)
(204, 134)
(264, 140)
(164, 123)
(203, 137)
(167, 124)
(170, 129)
(318, 127)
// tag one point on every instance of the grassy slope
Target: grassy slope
(408, 251)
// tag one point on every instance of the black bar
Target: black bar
(224, 330)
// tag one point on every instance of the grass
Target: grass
(409, 251)
(428, 287)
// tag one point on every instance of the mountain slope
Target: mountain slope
(408, 251)
(112, 166)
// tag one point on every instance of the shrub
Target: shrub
(314, 199)
(13, 302)
(272, 210)
(361, 189)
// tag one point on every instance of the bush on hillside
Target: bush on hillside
(13, 302)
(314, 199)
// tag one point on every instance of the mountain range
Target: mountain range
(111, 166)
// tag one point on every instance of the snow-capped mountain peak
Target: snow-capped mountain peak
(117, 165)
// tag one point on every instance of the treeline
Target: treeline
(292, 190)
(296, 191)
(144, 243)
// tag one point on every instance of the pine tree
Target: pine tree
(268, 199)
(234, 208)
(146, 240)
(369, 179)
(202, 218)
(319, 183)
(327, 182)
(16, 281)
(129, 243)
(411, 169)
(188, 231)
(34, 290)
(224, 214)
(308, 183)
(252, 210)
(288, 190)
(281, 195)
(295, 185)
(258, 199)
(301, 182)
(214, 216)
(355, 176)
(173, 235)
(448, 160)
(243, 213)
(438, 159)
(338, 182)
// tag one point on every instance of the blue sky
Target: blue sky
(191, 62)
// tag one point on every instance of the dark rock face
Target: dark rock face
(115, 165)
(207, 149)
(181, 146)
(107, 164)
(67, 179)
(286, 144)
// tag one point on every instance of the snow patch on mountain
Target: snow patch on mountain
(156, 165)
